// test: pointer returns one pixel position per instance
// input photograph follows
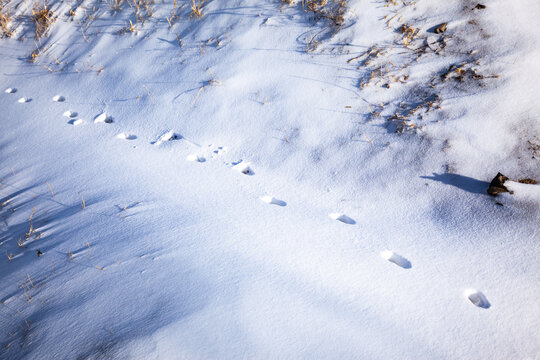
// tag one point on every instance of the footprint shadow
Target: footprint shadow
(477, 298)
(196, 158)
(70, 114)
(168, 136)
(75, 122)
(103, 118)
(243, 167)
(273, 201)
(125, 136)
(343, 218)
(396, 259)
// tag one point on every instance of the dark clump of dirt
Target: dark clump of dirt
(528, 181)
(497, 185)
(441, 28)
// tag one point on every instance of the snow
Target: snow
(154, 244)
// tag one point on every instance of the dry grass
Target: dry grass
(196, 8)
(31, 230)
(312, 42)
(5, 19)
(214, 81)
(142, 8)
(129, 28)
(383, 67)
(332, 10)
(149, 95)
(172, 17)
(89, 67)
(35, 54)
(28, 297)
(43, 18)
(463, 72)
(116, 5)
(408, 34)
(50, 188)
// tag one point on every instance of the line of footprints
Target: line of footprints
(73, 116)
(475, 296)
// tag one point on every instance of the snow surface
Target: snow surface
(155, 218)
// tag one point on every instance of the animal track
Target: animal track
(243, 167)
(75, 122)
(195, 157)
(70, 114)
(125, 136)
(11, 90)
(220, 150)
(24, 100)
(477, 298)
(59, 98)
(168, 136)
(103, 118)
(396, 259)
(272, 200)
(343, 218)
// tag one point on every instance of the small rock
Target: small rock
(497, 185)
(479, 7)
(39, 253)
(441, 28)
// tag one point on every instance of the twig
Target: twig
(50, 188)
(149, 95)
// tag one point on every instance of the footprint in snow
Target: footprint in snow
(103, 118)
(243, 167)
(272, 200)
(195, 157)
(343, 218)
(11, 90)
(24, 100)
(70, 114)
(220, 150)
(75, 122)
(477, 298)
(125, 136)
(217, 151)
(396, 259)
(168, 136)
(59, 98)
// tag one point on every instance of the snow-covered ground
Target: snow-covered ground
(262, 183)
